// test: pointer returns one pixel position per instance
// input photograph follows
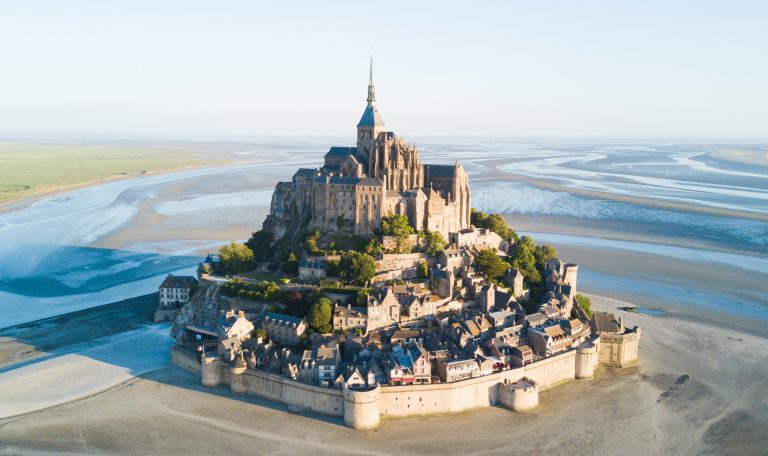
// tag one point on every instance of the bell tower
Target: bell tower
(370, 125)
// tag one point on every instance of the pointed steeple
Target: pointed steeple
(371, 114)
(371, 91)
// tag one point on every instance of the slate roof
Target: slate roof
(371, 181)
(438, 171)
(305, 172)
(340, 151)
(606, 322)
(345, 180)
(285, 319)
(371, 116)
(172, 281)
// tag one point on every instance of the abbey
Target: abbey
(359, 185)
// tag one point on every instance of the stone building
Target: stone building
(357, 186)
(349, 318)
(618, 345)
(175, 291)
(284, 329)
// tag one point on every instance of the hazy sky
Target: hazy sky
(512, 68)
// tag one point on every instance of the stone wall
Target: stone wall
(363, 409)
(185, 359)
(298, 396)
(402, 265)
(402, 401)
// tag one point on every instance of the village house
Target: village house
(234, 325)
(454, 370)
(549, 340)
(312, 270)
(284, 329)
(174, 292)
(347, 318)
(383, 309)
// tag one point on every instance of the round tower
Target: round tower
(361, 408)
(519, 396)
(211, 371)
(586, 359)
(237, 380)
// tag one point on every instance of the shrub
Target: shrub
(585, 303)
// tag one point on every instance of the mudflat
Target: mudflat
(698, 389)
(35, 168)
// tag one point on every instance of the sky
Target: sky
(193, 69)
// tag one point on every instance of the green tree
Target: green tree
(332, 268)
(423, 270)
(435, 241)
(396, 225)
(544, 253)
(311, 243)
(585, 303)
(374, 247)
(259, 244)
(356, 267)
(205, 269)
(319, 316)
(493, 222)
(291, 265)
(491, 265)
(235, 257)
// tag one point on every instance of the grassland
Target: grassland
(39, 167)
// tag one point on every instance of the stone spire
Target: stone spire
(371, 91)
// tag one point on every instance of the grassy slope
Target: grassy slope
(31, 168)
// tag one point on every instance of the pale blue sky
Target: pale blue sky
(695, 69)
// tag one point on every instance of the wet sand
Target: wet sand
(720, 408)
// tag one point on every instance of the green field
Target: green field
(37, 167)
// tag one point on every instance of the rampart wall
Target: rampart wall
(185, 359)
(364, 409)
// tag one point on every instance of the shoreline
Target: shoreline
(23, 201)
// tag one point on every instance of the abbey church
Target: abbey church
(357, 186)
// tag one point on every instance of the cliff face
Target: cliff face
(202, 310)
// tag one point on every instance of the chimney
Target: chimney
(241, 313)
